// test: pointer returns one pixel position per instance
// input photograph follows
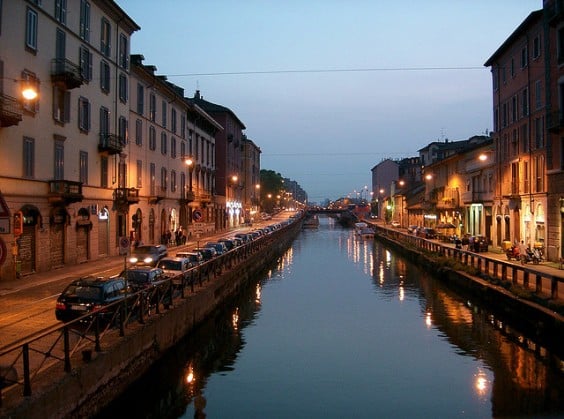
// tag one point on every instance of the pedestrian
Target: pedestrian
(458, 243)
(465, 242)
(522, 251)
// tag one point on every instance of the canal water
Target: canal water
(343, 327)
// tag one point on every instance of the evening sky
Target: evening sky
(328, 89)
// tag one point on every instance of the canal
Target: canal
(344, 327)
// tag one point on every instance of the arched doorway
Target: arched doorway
(137, 226)
(57, 222)
(152, 226)
(83, 227)
(164, 228)
(26, 242)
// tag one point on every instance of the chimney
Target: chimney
(197, 94)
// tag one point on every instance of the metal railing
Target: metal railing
(57, 349)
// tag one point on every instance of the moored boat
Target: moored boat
(311, 222)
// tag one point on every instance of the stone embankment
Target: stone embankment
(95, 380)
(532, 319)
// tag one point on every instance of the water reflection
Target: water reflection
(421, 343)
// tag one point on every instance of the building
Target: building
(521, 98)
(169, 161)
(251, 178)
(229, 176)
(58, 175)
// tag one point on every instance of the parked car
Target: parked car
(218, 246)
(480, 244)
(428, 233)
(143, 277)
(195, 258)
(412, 229)
(90, 295)
(176, 268)
(207, 253)
(246, 238)
(148, 255)
(395, 224)
(229, 243)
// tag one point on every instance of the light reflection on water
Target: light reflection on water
(343, 327)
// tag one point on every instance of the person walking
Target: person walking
(522, 251)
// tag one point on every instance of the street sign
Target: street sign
(124, 245)
(198, 215)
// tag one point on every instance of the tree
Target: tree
(271, 185)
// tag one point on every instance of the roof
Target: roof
(521, 29)
(211, 107)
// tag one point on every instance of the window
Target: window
(164, 113)
(539, 132)
(122, 127)
(164, 178)
(139, 132)
(525, 137)
(104, 171)
(173, 120)
(504, 115)
(123, 59)
(105, 38)
(539, 174)
(33, 104)
(538, 94)
(61, 11)
(525, 102)
(59, 163)
(104, 125)
(104, 76)
(83, 114)
(61, 104)
(514, 108)
(536, 47)
(163, 143)
(85, 63)
(152, 107)
(172, 181)
(28, 158)
(512, 67)
(173, 147)
(152, 176)
(140, 98)
(139, 173)
(31, 29)
(152, 138)
(560, 45)
(182, 149)
(123, 87)
(183, 125)
(84, 30)
(83, 167)
(524, 57)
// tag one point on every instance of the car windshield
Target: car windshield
(137, 276)
(171, 265)
(83, 291)
(144, 250)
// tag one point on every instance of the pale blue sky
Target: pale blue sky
(327, 129)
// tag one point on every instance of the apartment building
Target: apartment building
(168, 161)
(229, 176)
(251, 178)
(521, 97)
(57, 176)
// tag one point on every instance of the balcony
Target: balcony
(555, 121)
(11, 111)
(66, 73)
(126, 195)
(187, 198)
(65, 192)
(111, 143)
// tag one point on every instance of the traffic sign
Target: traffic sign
(124, 245)
(198, 215)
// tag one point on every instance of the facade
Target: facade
(169, 161)
(56, 176)
(251, 178)
(554, 17)
(229, 149)
(521, 96)
(383, 174)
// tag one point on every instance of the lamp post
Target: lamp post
(190, 163)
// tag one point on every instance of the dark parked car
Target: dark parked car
(480, 244)
(207, 253)
(143, 277)
(230, 244)
(429, 233)
(220, 248)
(90, 295)
(148, 255)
